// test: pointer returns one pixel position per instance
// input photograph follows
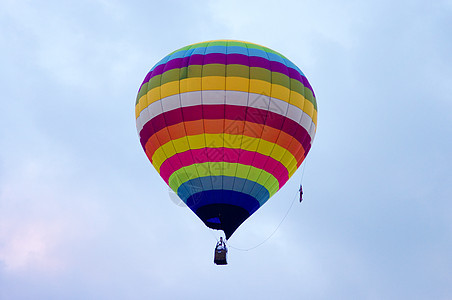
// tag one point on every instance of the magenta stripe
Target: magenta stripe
(244, 157)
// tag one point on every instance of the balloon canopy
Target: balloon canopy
(225, 124)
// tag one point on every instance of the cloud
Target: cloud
(41, 210)
(30, 246)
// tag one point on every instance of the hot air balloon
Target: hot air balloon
(225, 124)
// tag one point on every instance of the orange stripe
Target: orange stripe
(234, 127)
(194, 127)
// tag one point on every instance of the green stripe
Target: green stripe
(224, 169)
(197, 71)
(228, 43)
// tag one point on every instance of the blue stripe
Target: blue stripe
(226, 183)
(178, 54)
(201, 51)
(258, 53)
(223, 197)
(275, 57)
(215, 49)
(237, 50)
(189, 52)
(230, 49)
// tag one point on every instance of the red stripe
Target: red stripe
(230, 112)
(244, 157)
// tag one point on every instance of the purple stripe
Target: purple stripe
(280, 68)
(229, 59)
(172, 64)
(214, 58)
(260, 62)
(195, 59)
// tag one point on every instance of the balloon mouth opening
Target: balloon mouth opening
(222, 216)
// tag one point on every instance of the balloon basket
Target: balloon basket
(220, 257)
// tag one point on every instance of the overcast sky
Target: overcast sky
(84, 215)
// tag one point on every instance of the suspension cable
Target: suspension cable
(285, 216)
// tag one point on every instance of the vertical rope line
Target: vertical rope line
(274, 231)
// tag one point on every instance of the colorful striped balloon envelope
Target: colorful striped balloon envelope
(225, 124)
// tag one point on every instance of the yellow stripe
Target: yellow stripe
(215, 169)
(228, 140)
(233, 84)
(167, 89)
(237, 41)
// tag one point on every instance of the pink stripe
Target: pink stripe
(244, 157)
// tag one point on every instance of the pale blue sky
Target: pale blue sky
(84, 215)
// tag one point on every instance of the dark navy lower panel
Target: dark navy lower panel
(235, 198)
(223, 209)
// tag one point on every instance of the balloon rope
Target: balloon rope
(285, 216)
(276, 229)
(302, 171)
(214, 236)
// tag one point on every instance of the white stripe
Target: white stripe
(170, 103)
(213, 97)
(258, 101)
(294, 114)
(306, 123)
(150, 112)
(190, 99)
(279, 107)
(237, 98)
(312, 132)
(232, 98)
